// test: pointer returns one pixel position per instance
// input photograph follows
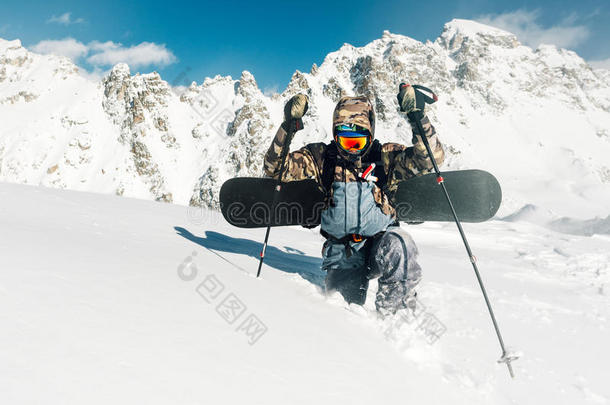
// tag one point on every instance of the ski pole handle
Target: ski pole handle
(422, 96)
(425, 93)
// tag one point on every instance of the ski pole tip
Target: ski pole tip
(510, 370)
(507, 357)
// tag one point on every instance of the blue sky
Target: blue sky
(192, 40)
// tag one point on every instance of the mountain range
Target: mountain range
(539, 119)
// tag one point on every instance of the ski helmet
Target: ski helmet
(354, 126)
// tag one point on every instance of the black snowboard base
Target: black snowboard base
(476, 196)
(247, 202)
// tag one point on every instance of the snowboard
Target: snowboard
(476, 196)
(248, 202)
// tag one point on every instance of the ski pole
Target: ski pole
(414, 117)
(294, 125)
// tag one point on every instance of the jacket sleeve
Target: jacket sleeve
(407, 162)
(299, 165)
(414, 160)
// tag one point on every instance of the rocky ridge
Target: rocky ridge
(137, 135)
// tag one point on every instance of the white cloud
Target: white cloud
(108, 53)
(524, 24)
(600, 64)
(64, 47)
(65, 19)
(143, 54)
(103, 46)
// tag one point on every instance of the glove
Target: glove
(407, 100)
(296, 107)
(294, 110)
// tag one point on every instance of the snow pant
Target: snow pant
(390, 256)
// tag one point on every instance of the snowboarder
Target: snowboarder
(359, 175)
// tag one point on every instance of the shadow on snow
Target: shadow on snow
(290, 261)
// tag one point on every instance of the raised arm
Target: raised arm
(299, 164)
(418, 157)
(406, 162)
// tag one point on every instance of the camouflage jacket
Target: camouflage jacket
(400, 162)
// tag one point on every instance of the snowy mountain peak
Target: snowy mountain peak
(218, 79)
(13, 54)
(247, 78)
(388, 38)
(9, 45)
(458, 32)
(247, 87)
(120, 70)
(471, 28)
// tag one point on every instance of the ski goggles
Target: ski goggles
(352, 138)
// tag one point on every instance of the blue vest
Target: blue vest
(354, 210)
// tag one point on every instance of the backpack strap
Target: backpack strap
(330, 162)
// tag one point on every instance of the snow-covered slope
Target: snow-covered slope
(538, 119)
(102, 301)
